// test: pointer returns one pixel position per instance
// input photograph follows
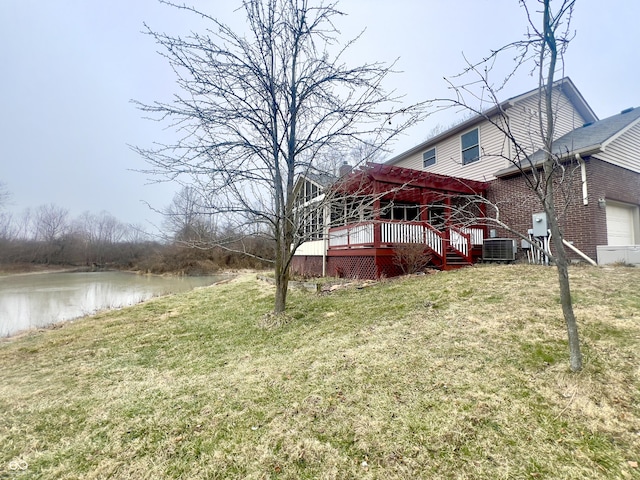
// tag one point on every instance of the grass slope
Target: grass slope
(456, 375)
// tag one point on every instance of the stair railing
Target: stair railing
(460, 243)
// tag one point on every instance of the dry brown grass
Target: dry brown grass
(456, 375)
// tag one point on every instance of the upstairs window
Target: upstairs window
(310, 191)
(470, 147)
(429, 158)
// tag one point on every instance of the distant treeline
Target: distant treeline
(49, 236)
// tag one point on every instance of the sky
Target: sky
(70, 68)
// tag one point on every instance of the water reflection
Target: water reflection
(28, 301)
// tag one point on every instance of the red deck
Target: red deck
(369, 249)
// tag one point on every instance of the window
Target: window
(346, 211)
(470, 147)
(400, 211)
(310, 191)
(429, 158)
(309, 212)
(312, 223)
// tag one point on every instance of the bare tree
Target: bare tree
(6, 219)
(547, 173)
(136, 234)
(6, 226)
(51, 222)
(51, 225)
(23, 226)
(185, 219)
(257, 111)
(5, 195)
(100, 233)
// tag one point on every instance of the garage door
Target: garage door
(620, 224)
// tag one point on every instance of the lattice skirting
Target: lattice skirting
(387, 267)
(369, 267)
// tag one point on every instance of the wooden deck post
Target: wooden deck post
(377, 229)
(424, 210)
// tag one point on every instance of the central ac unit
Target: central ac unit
(499, 250)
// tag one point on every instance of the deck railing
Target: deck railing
(459, 241)
(476, 234)
(394, 233)
(391, 233)
(400, 232)
(358, 234)
(463, 239)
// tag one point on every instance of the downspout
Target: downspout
(510, 133)
(580, 252)
(324, 258)
(585, 201)
(583, 177)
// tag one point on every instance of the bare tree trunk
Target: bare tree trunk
(560, 254)
(575, 356)
(562, 265)
(282, 286)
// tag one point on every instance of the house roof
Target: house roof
(588, 139)
(570, 90)
(565, 84)
(321, 178)
(363, 178)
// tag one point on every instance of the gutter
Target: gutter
(514, 170)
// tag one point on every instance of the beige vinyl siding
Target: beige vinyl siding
(493, 149)
(567, 117)
(315, 247)
(624, 151)
(525, 121)
(415, 161)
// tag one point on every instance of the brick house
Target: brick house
(599, 203)
(604, 194)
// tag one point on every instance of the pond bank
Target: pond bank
(37, 300)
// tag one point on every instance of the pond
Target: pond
(38, 300)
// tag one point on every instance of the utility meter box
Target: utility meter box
(540, 227)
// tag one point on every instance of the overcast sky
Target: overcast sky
(69, 69)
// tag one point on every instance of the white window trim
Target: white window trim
(435, 157)
(462, 151)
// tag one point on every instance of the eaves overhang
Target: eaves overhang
(528, 165)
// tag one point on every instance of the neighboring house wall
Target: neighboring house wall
(584, 225)
(613, 183)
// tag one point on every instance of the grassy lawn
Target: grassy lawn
(460, 374)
